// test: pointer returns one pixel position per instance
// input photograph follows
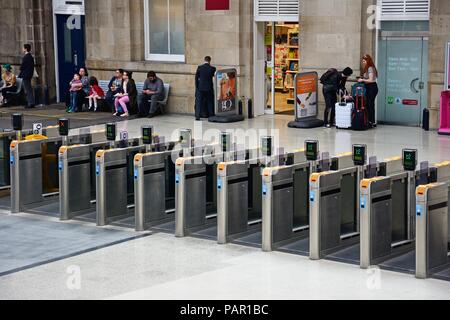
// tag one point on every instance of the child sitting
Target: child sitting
(95, 94)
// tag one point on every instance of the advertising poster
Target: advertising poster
(226, 89)
(306, 95)
(447, 69)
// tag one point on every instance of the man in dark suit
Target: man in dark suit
(204, 88)
(26, 74)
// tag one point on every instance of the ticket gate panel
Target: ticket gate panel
(437, 240)
(79, 187)
(431, 229)
(5, 142)
(195, 179)
(301, 205)
(112, 188)
(283, 224)
(155, 198)
(50, 172)
(255, 185)
(150, 190)
(348, 205)
(26, 179)
(399, 207)
(330, 236)
(238, 199)
(116, 194)
(381, 225)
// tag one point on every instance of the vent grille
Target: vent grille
(277, 10)
(405, 9)
(75, 7)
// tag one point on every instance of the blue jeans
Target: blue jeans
(73, 101)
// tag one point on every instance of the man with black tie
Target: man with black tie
(204, 89)
(26, 74)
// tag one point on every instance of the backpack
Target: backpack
(330, 80)
(325, 78)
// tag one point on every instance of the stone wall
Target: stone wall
(334, 34)
(115, 38)
(25, 21)
(439, 37)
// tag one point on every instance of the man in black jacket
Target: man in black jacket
(26, 74)
(332, 82)
(204, 88)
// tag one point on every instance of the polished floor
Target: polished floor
(160, 266)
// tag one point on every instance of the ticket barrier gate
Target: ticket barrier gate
(196, 212)
(77, 179)
(157, 210)
(285, 203)
(6, 138)
(35, 171)
(334, 210)
(125, 184)
(240, 198)
(389, 218)
(432, 232)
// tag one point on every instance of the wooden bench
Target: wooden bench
(139, 87)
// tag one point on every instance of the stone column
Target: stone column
(330, 36)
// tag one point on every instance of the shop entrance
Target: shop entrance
(278, 63)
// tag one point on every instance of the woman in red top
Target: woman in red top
(95, 94)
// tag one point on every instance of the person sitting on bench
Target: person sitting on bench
(95, 94)
(114, 87)
(9, 84)
(152, 93)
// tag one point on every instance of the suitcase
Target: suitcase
(359, 117)
(344, 112)
(426, 120)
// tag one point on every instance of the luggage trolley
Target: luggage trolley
(432, 231)
(334, 207)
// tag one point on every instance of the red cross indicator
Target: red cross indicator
(63, 127)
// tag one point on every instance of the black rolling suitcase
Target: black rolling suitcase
(359, 117)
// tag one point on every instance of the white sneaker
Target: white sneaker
(125, 115)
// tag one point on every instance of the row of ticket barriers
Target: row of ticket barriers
(346, 208)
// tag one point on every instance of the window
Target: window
(164, 30)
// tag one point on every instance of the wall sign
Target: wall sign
(226, 88)
(217, 4)
(306, 98)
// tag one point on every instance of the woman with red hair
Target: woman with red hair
(369, 78)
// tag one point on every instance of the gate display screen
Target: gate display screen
(63, 127)
(409, 159)
(147, 135)
(226, 142)
(111, 131)
(266, 146)
(312, 150)
(359, 154)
